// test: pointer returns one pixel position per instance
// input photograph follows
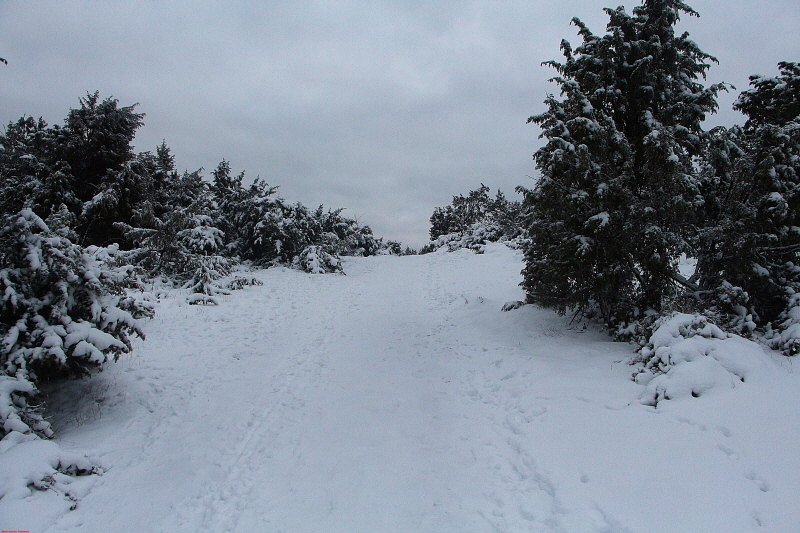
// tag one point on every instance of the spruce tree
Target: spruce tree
(609, 217)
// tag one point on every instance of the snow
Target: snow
(601, 218)
(401, 398)
(692, 356)
(759, 270)
(687, 266)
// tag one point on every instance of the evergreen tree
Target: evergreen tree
(29, 178)
(749, 246)
(96, 141)
(266, 229)
(64, 311)
(203, 242)
(608, 218)
(470, 221)
(174, 207)
(772, 101)
(461, 214)
(88, 165)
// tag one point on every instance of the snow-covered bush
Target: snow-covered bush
(475, 239)
(687, 356)
(315, 260)
(456, 241)
(201, 237)
(204, 285)
(729, 306)
(239, 283)
(786, 337)
(30, 464)
(611, 212)
(748, 238)
(203, 242)
(64, 311)
(266, 229)
(472, 221)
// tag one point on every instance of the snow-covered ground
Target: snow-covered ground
(400, 398)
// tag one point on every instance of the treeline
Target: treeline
(473, 220)
(84, 218)
(630, 182)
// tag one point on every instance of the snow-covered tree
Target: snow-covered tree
(64, 311)
(473, 220)
(461, 214)
(29, 178)
(204, 242)
(607, 218)
(96, 139)
(88, 165)
(266, 229)
(315, 260)
(575, 259)
(749, 244)
(94, 148)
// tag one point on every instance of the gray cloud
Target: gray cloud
(386, 107)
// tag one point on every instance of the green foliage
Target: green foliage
(88, 165)
(772, 101)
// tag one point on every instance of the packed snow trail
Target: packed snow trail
(400, 398)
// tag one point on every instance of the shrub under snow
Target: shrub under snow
(315, 260)
(474, 238)
(31, 465)
(202, 242)
(472, 221)
(688, 356)
(204, 285)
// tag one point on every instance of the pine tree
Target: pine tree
(203, 242)
(97, 140)
(608, 217)
(461, 214)
(30, 175)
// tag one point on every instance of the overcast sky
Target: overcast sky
(385, 107)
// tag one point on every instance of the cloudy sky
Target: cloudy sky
(385, 107)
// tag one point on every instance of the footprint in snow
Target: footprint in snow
(727, 451)
(509, 375)
(725, 431)
(760, 482)
(701, 427)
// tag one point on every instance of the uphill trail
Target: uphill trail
(396, 398)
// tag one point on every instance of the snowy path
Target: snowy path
(399, 398)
